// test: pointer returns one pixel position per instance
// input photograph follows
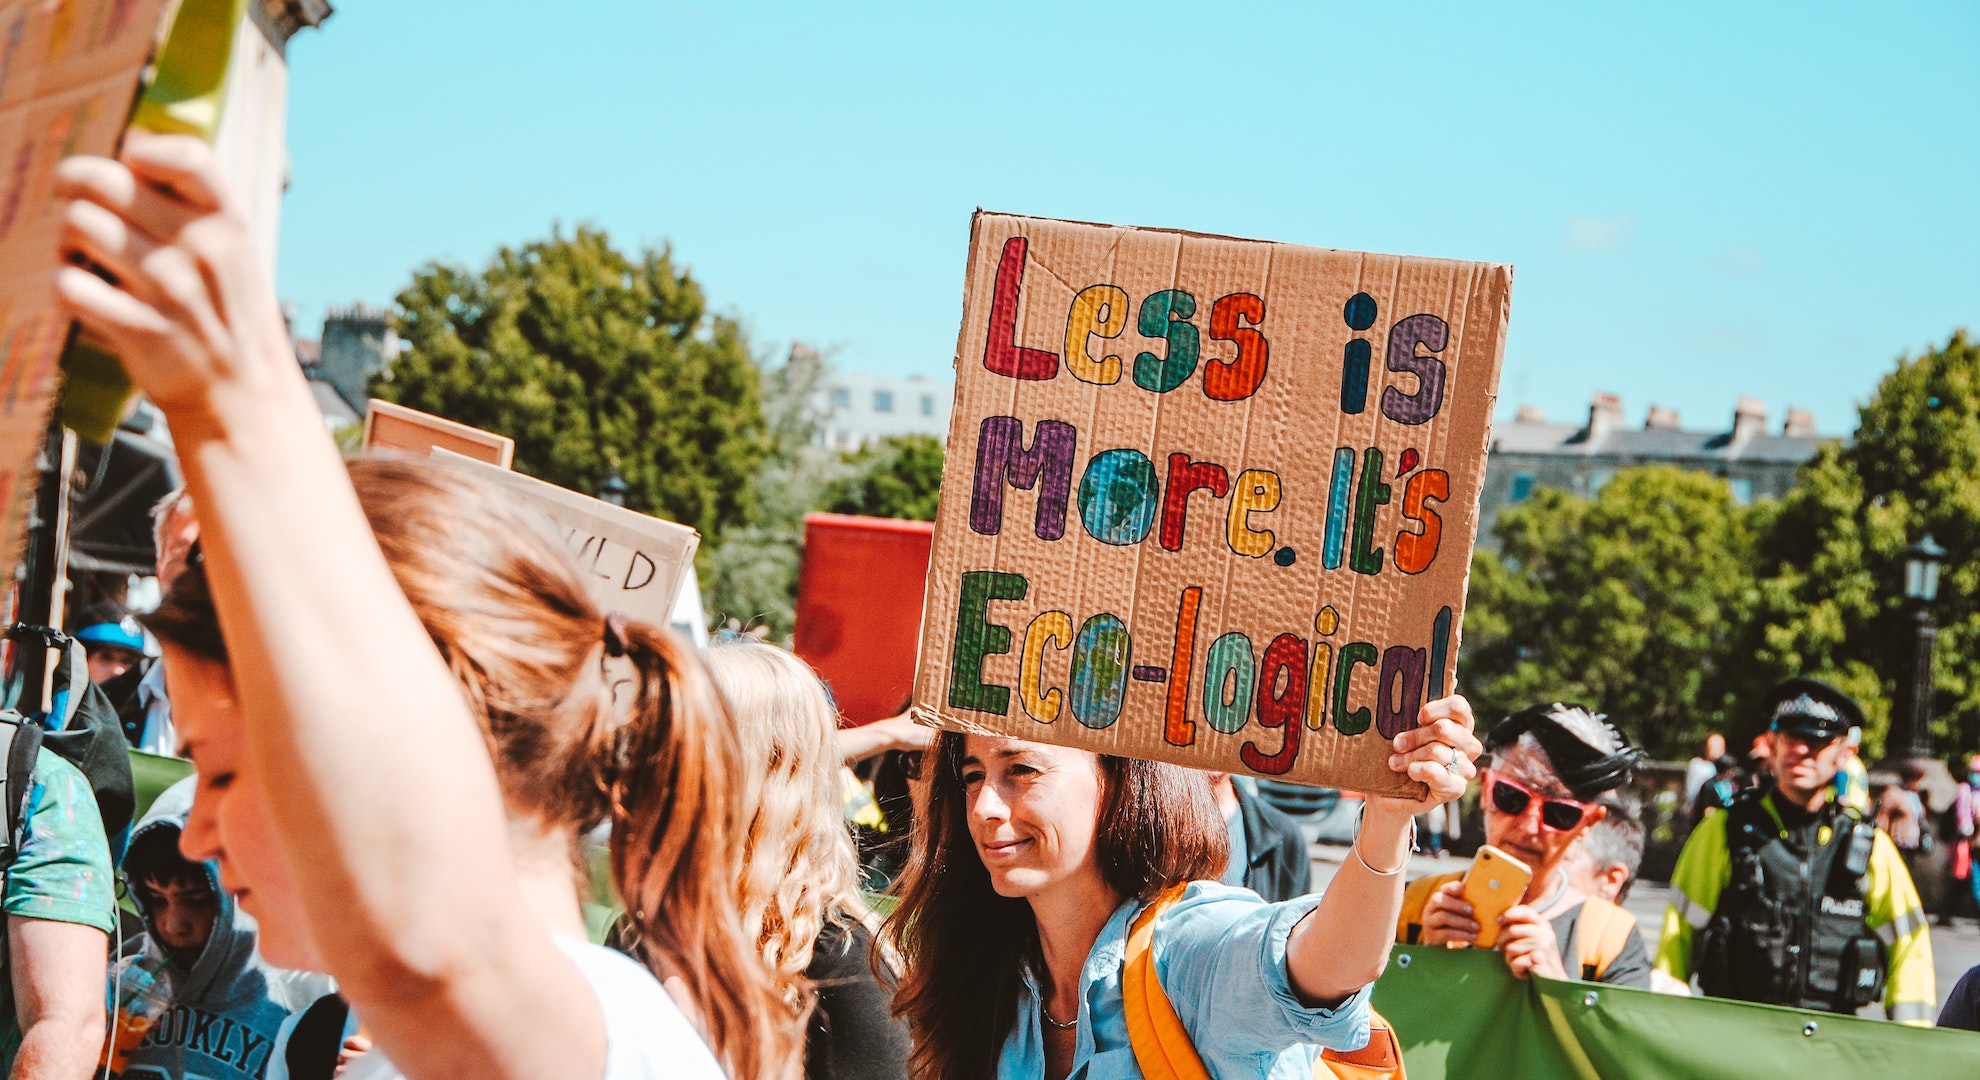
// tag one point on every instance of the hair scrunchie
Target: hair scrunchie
(615, 634)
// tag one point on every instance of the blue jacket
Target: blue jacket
(1220, 954)
(227, 1004)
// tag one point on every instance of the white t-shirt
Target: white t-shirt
(646, 1036)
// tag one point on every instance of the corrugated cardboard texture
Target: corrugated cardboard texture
(1160, 440)
(68, 75)
(395, 427)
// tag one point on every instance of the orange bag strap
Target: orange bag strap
(1600, 933)
(1381, 1059)
(1162, 1046)
(1416, 897)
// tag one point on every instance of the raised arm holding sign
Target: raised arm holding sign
(1279, 594)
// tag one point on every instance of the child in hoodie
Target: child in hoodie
(210, 1006)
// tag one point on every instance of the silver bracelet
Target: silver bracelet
(1355, 846)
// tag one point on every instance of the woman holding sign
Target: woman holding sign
(1057, 899)
(401, 700)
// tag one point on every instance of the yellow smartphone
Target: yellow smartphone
(1493, 885)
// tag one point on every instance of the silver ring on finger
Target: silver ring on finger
(1451, 765)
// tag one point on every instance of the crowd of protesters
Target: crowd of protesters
(407, 755)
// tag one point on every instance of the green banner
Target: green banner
(151, 774)
(1460, 1013)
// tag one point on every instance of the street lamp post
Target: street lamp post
(614, 489)
(1912, 721)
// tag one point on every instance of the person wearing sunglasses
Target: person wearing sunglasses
(1551, 766)
(1788, 896)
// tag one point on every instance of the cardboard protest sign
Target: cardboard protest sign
(395, 427)
(858, 609)
(1209, 501)
(69, 73)
(636, 562)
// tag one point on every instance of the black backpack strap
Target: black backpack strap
(22, 743)
(317, 1038)
(92, 739)
(94, 743)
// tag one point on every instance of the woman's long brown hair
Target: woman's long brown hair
(963, 947)
(520, 630)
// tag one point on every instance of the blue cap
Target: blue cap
(124, 634)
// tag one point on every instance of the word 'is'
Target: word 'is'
(1101, 311)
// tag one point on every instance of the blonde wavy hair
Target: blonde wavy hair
(799, 865)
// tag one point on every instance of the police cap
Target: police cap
(1812, 709)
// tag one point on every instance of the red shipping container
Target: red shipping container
(859, 609)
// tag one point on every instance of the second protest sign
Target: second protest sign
(1209, 501)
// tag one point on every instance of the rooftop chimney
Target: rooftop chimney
(1749, 418)
(1661, 418)
(1530, 414)
(1604, 415)
(1800, 423)
(358, 343)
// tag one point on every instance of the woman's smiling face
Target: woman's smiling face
(229, 822)
(1033, 811)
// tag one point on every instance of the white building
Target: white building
(858, 408)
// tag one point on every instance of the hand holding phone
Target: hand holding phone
(1494, 884)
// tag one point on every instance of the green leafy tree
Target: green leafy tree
(1625, 602)
(1831, 566)
(899, 476)
(594, 363)
(752, 572)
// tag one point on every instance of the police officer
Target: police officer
(1787, 897)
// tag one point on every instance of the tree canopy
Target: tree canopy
(1830, 567)
(1626, 602)
(752, 571)
(1674, 610)
(594, 363)
(899, 476)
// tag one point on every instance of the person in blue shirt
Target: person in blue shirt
(1033, 861)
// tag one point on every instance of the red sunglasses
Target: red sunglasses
(1512, 799)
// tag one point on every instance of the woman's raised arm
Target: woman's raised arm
(377, 776)
(1344, 944)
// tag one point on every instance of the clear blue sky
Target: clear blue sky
(1702, 200)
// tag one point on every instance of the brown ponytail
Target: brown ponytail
(523, 634)
(675, 858)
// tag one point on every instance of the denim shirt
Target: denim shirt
(1220, 954)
